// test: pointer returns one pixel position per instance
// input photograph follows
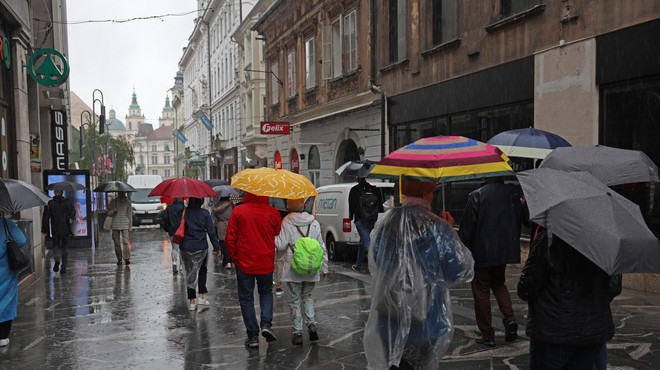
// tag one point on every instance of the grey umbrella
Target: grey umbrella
(612, 166)
(66, 186)
(17, 195)
(114, 187)
(601, 224)
(356, 168)
(224, 191)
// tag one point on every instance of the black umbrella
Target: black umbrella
(114, 187)
(356, 168)
(66, 186)
(17, 195)
(216, 182)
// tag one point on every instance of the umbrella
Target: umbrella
(66, 186)
(527, 142)
(270, 182)
(114, 187)
(216, 182)
(182, 187)
(595, 220)
(443, 159)
(356, 168)
(17, 195)
(224, 191)
(612, 166)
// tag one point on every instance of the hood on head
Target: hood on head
(249, 197)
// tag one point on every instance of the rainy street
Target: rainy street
(103, 316)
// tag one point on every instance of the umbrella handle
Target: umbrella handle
(443, 197)
(399, 193)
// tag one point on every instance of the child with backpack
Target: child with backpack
(301, 238)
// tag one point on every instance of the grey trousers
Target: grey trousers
(120, 237)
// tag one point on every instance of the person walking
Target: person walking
(56, 224)
(364, 203)
(8, 279)
(569, 317)
(414, 259)
(194, 250)
(221, 212)
(250, 241)
(171, 222)
(122, 223)
(490, 228)
(296, 224)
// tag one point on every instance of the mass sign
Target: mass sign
(275, 128)
(45, 71)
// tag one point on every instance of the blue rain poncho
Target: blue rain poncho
(414, 258)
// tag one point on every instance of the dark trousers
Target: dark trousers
(225, 253)
(201, 280)
(245, 283)
(550, 356)
(61, 248)
(5, 328)
(364, 229)
(485, 280)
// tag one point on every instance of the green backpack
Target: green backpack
(307, 255)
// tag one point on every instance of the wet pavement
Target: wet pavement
(103, 316)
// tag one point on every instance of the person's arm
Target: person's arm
(232, 235)
(457, 263)
(352, 201)
(317, 227)
(129, 214)
(111, 208)
(282, 239)
(213, 234)
(45, 221)
(71, 212)
(16, 234)
(533, 274)
(468, 227)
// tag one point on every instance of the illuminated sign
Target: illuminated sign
(275, 128)
(59, 140)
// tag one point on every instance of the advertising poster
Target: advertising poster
(35, 152)
(80, 199)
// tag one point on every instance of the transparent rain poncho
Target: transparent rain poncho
(414, 258)
(192, 261)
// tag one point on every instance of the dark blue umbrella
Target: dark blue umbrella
(527, 142)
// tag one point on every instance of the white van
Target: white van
(145, 208)
(331, 210)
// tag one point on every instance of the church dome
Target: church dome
(113, 123)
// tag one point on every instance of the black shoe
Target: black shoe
(118, 262)
(511, 332)
(56, 268)
(252, 342)
(297, 339)
(268, 334)
(128, 262)
(486, 341)
(313, 334)
(63, 270)
(355, 268)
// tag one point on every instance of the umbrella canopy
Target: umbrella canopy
(114, 187)
(612, 166)
(216, 182)
(182, 187)
(224, 191)
(356, 168)
(17, 195)
(66, 186)
(527, 142)
(601, 224)
(443, 159)
(270, 182)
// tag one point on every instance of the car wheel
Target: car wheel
(331, 246)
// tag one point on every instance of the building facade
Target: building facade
(154, 148)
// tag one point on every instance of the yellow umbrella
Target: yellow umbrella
(270, 182)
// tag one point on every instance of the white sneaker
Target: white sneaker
(192, 307)
(228, 266)
(202, 302)
(4, 342)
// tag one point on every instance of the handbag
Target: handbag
(107, 224)
(16, 256)
(177, 238)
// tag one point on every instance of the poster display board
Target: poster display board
(81, 226)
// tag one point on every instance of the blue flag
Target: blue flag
(179, 136)
(205, 120)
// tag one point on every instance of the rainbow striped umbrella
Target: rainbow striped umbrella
(443, 159)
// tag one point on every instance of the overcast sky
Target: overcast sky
(118, 57)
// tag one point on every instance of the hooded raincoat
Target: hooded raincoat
(288, 236)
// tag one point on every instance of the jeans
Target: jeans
(245, 284)
(279, 263)
(364, 229)
(61, 248)
(485, 280)
(550, 356)
(301, 294)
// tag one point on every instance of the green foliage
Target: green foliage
(119, 150)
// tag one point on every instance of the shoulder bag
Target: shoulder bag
(16, 257)
(177, 238)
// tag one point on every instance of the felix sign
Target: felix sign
(58, 135)
(275, 128)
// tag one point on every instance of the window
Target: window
(166, 159)
(444, 14)
(314, 165)
(154, 159)
(349, 42)
(141, 159)
(310, 65)
(154, 148)
(154, 172)
(397, 30)
(326, 43)
(274, 85)
(291, 74)
(511, 7)
(336, 49)
(167, 173)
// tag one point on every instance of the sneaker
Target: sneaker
(128, 262)
(56, 268)
(175, 270)
(268, 334)
(192, 307)
(355, 268)
(118, 262)
(511, 331)
(313, 334)
(202, 302)
(486, 341)
(4, 342)
(228, 266)
(297, 339)
(252, 342)
(63, 270)
(279, 292)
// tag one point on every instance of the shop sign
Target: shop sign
(278, 161)
(45, 70)
(295, 161)
(275, 128)
(59, 139)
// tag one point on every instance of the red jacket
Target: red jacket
(251, 234)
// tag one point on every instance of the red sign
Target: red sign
(295, 162)
(278, 161)
(275, 128)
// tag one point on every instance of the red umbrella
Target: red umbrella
(182, 187)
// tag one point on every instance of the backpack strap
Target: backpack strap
(301, 234)
(9, 238)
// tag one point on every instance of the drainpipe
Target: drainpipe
(375, 88)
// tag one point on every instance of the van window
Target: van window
(309, 205)
(142, 196)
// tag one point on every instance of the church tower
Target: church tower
(135, 117)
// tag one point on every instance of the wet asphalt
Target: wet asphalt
(102, 316)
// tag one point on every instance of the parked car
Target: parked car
(331, 210)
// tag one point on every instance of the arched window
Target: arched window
(314, 165)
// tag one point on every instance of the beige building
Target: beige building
(153, 148)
